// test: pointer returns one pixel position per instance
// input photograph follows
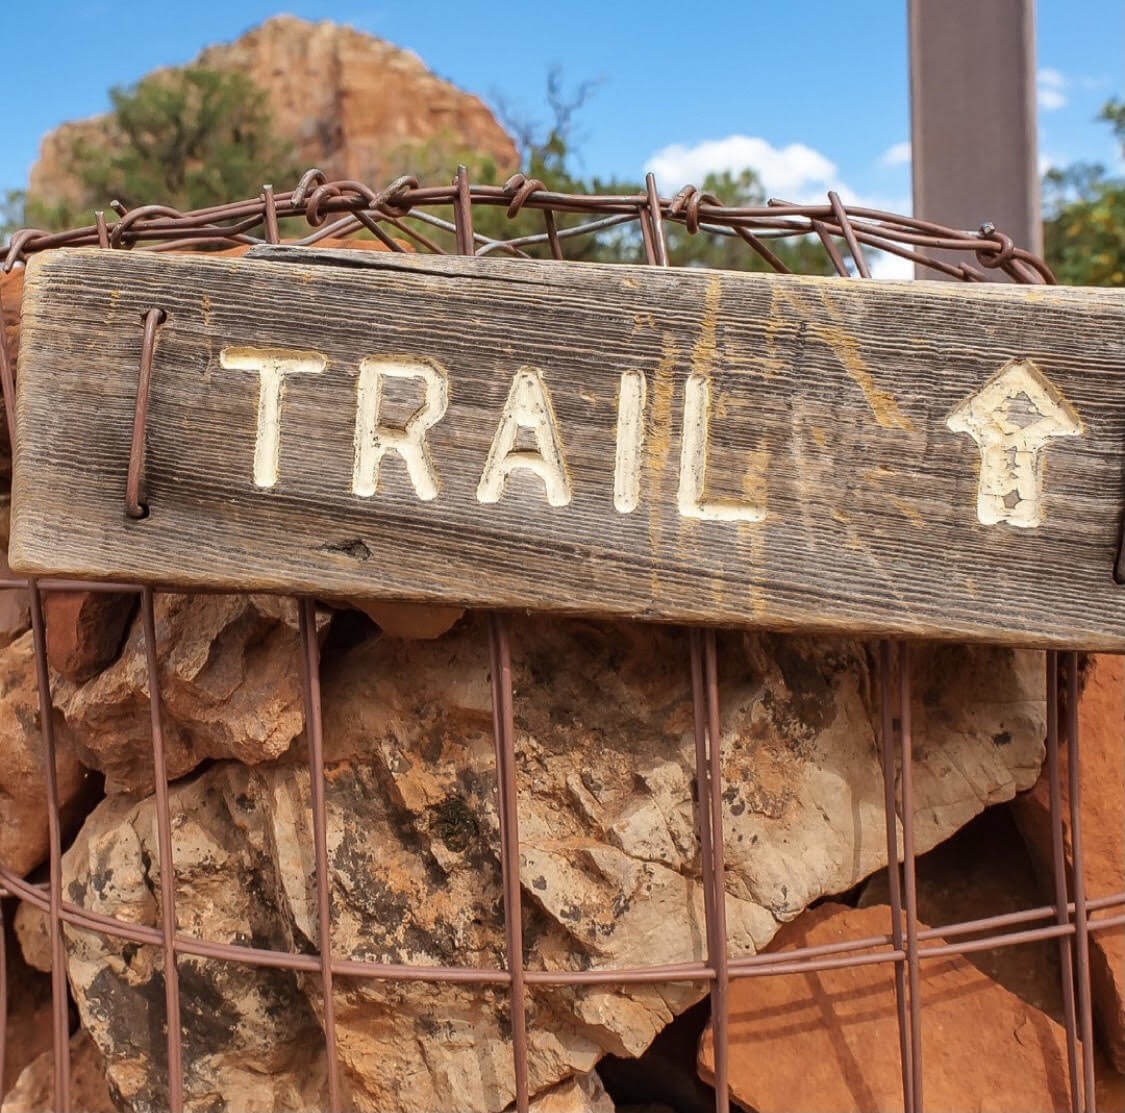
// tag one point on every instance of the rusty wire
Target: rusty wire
(342, 208)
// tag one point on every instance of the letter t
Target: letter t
(273, 366)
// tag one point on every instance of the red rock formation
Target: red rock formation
(352, 104)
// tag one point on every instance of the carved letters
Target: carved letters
(1012, 417)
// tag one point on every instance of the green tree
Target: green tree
(188, 138)
(1084, 229)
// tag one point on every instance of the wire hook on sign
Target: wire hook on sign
(135, 507)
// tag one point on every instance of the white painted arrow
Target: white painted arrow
(1012, 417)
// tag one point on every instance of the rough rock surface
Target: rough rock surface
(23, 792)
(249, 1034)
(15, 607)
(585, 1094)
(34, 1092)
(33, 934)
(829, 1040)
(28, 1028)
(352, 104)
(85, 630)
(609, 865)
(230, 684)
(1102, 748)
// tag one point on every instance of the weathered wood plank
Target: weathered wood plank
(901, 458)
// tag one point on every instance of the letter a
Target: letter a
(373, 441)
(693, 462)
(528, 407)
(274, 366)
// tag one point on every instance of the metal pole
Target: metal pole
(972, 108)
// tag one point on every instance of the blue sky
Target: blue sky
(768, 84)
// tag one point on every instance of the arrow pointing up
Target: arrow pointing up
(1012, 417)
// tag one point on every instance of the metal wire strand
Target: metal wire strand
(504, 737)
(1058, 862)
(909, 878)
(314, 732)
(1078, 881)
(338, 208)
(894, 875)
(173, 1033)
(60, 1028)
(704, 690)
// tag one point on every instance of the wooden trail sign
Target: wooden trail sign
(798, 453)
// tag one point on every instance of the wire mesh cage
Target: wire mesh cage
(408, 216)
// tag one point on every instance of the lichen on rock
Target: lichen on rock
(609, 864)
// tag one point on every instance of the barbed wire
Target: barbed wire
(334, 209)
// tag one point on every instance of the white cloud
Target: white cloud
(795, 172)
(896, 155)
(884, 265)
(1050, 88)
(790, 172)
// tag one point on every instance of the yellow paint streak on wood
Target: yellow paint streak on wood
(907, 511)
(878, 473)
(658, 443)
(703, 354)
(642, 321)
(702, 362)
(838, 336)
(755, 487)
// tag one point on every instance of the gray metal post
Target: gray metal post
(972, 100)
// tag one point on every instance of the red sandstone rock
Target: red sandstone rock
(985, 870)
(413, 621)
(15, 607)
(11, 300)
(29, 1014)
(351, 104)
(829, 1040)
(1101, 717)
(23, 807)
(85, 630)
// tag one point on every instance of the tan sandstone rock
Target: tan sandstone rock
(34, 1092)
(23, 789)
(576, 1095)
(352, 104)
(33, 933)
(230, 687)
(828, 1041)
(1101, 714)
(609, 865)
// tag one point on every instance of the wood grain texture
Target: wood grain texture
(829, 403)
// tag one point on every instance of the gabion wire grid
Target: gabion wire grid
(341, 208)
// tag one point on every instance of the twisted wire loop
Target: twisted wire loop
(339, 207)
